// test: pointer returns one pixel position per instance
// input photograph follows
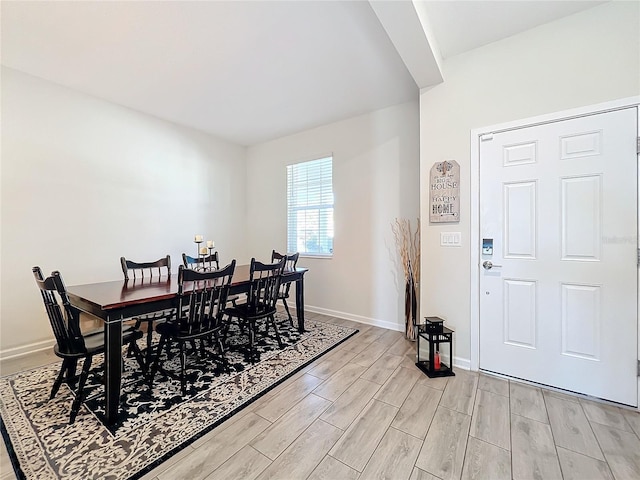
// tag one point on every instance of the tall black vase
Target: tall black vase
(410, 308)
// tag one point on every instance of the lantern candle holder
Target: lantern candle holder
(434, 333)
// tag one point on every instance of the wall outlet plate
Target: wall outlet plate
(450, 239)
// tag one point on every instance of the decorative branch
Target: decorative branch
(408, 245)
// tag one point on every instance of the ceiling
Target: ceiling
(249, 72)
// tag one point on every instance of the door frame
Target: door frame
(475, 135)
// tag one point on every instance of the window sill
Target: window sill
(311, 255)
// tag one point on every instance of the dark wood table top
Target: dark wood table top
(123, 293)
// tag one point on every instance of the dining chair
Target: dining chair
(201, 263)
(148, 270)
(201, 299)
(264, 284)
(290, 265)
(71, 345)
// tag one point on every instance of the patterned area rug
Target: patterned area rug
(155, 422)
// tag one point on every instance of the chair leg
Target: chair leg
(75, 407)
(135, 327)
(152, 369)
(167, 348)
(183, 361)
(60, 377)
(144, 364)
(225, 330)
(286, 307)
(70, 379)
(149, 338)
(252, 339)
(218, 342)
(272, 320)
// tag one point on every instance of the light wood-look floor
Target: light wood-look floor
(364, 411)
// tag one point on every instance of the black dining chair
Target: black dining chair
(148, 270)
(290, 265)
(264, 285)
(71, 345)
(201, 300)
(209, 262)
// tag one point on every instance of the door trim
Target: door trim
(475, 135)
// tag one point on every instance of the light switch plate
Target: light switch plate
(450, 239)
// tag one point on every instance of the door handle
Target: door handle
(488, 265)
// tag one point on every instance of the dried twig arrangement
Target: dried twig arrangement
(408, 245)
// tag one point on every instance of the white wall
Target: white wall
(375, 175)
(85, 181)
(584, 59)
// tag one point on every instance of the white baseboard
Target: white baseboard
(23, 350)
(463, 363)
(355, 318)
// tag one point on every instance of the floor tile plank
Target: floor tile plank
(460, 392)
(276, 438)
(418, 474)
(395, 390)
(349, 405)
(335, 386)
(380, 371)
(492, 384)
(621, 449)
(394, 458)
(633, 419)
(360, 440)
(491, 420)
(605, 415)
(247, 464)
(286, 398)
(218, 449)
(439, 383)
(533, 450)
(332, 469)
(443, 449)
(401, 347)
(305, 453)
(576, 466)
(332, 364)
(527, 401)
(571, 428)
(476, 466)
(417, 411)
(369, 355)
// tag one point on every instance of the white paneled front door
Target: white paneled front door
(558, 300)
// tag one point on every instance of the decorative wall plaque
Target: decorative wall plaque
(444, 192)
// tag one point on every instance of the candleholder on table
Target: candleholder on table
(204, 254)
(210, 246)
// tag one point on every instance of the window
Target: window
(310, 207)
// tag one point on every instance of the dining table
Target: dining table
(116, 301)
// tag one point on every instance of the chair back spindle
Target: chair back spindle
(146, 269)
(64, 319)
(202, 296)
(265, 281)
(201, 263)
(291, 260)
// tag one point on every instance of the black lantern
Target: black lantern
(434, 333)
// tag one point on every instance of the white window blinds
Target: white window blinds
(310, 207)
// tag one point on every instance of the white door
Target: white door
(559, 305)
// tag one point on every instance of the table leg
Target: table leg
(300, 303)
(112, 368)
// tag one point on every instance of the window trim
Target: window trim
(325, 230)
